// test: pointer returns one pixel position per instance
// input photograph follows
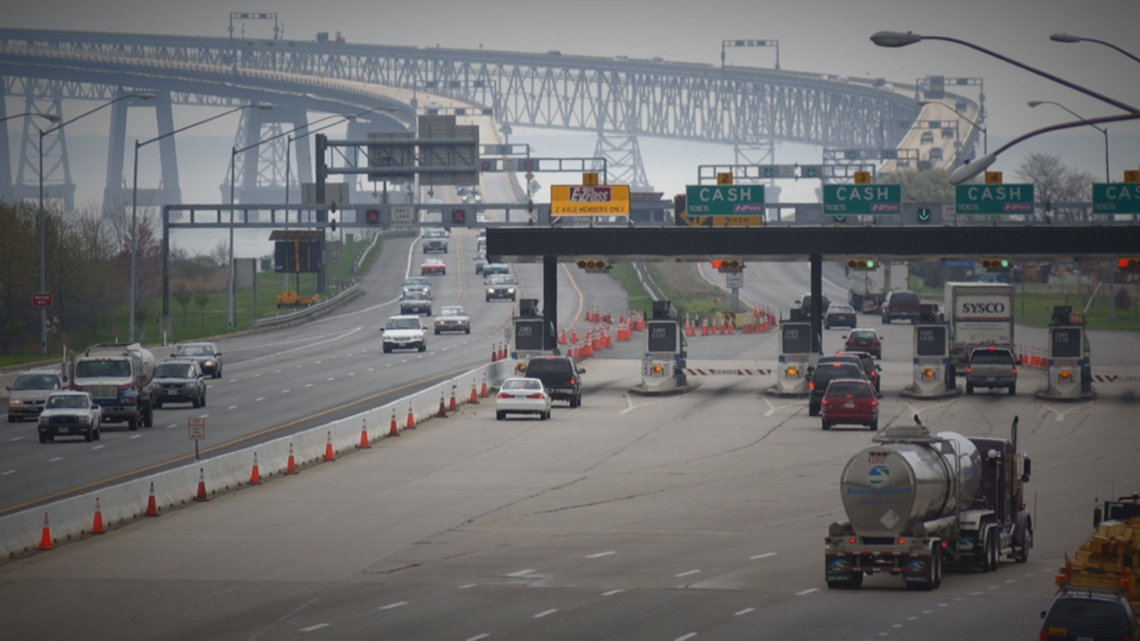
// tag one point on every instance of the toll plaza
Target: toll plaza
(796, 358)
(933, 372)
(1069, 370)
(664, 359)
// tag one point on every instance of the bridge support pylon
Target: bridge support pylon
(623, 160)
(117, 188)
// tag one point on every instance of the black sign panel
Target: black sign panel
(528, 335)
(930, 341)
(291, 257)
(661, 336)
(795, 338)
(1065, 342)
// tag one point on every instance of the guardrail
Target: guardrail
(364, 254)
(73, 517)
(283, 319)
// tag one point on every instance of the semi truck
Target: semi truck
(917, 501)
(118, 377)
(979, 315)
(867, 289)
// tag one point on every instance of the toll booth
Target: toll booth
(529, 332)
(933, 371)
(1069, 366)
(796, 358)
(663, 361)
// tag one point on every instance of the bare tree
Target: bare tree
(183, 297)
(201, 299)
(1055, 184)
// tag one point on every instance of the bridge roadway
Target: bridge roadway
(697, 516)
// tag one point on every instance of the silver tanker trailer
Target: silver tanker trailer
(915, 501)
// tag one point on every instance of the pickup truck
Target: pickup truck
(991, 367)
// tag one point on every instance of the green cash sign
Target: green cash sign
(1116, 198)
(993, 199)
(843, 200)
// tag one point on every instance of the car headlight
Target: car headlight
(490, 290)
(210, 363)
(85, 419)
(510, 290)
(15, 401)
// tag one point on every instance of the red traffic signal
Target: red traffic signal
(1129, 264)
(727, 264)
(593, 264)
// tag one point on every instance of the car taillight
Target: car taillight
(968, 369)
(502, 395)
(851, 540)
(573, 381)
(874, 402)
(538, 395)
(874, 341)
(1044, 634)
(1013, 370)
(902, 541)
(824, 402)
(811, 385)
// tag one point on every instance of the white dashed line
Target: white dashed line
(204, 416)
(521, 573)
(897, 625)
(315, 627)
(993, 587)
(393, 606)
(18, 438)
(286, 391)
(257, 375)
(1011, 580)
(232, 407)
(478, 637)
(975, 593)
(912, 618)
(943, 605)
(1028, 575)
(309, 385)
(319, 362)
(690, 572)
(53, 460)
(7, 473)
(927, 611)
(600, 555)
(743, 612)
(277, 371)
(297, 367)
(172, 425)
(686, 637)
(610, 593)
(98, 447)
(468, 586)
(762, 556)
(136, 436)
(330, 379)
(352, 373)
(545, 613)
(807, 591)
(372, 369)
(259, 399)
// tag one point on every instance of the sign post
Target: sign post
(196, 431)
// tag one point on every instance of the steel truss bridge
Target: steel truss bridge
(614, 98)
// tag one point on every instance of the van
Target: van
(901, 304)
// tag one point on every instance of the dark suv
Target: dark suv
(559, 375)
(826, 372)
(904, 305)
(1090, 614)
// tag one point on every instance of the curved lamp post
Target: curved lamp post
(1064, 37)
(1103, 130)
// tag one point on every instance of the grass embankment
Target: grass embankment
(210, 319)
(687, 294)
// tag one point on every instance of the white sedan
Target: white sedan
(522, 396)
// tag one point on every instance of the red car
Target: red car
(850, 401)
(864, 340)
(433, 266)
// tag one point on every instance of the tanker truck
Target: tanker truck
(917, 501)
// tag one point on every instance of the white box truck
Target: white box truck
(979, 315)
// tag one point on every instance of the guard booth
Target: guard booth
(796, 357)
(529, 333)
(933, 371)
(663, 362)
(1070, 367)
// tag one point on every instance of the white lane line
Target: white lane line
(309, 385)
(7, 473)
(743, 612)
(686, 637)
(993, 587)
(912, 618)
(393, 606)
(975, 593)
(600, 555)
(136, 436)
(297, 367)
(232, 407)
(772, 409)
(315, 627)
(98, 447)
(372, 369)
(943, 605)
(690, 572)
(257, 375)
(172, 425)
(276, 371)
(762, 556)
(204, 416)
(352, 373)
(233, 380)
(259, 399)
(286, 391)
(330, 379)
(610, 593)
(807, 591)
(521, 573)
(959, 598)
(468, 586)
(53, 460)
(18, 438)
(1011, 580)
(545, 613)
(897, 625)
(319, 362)
(927, 611)
(478, 637)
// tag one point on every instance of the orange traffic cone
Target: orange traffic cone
(330, 454)
(483, 387)
(393, 429)
(255, 473)
(705, 327)
(291, 467)
(474, 400)
(452, 405)
(411, 423)
(97, 524)
(151, 504)
(494, 352)
(45, 535)
(562, 336)
(503, 352)
(574, 333)
(201, 495)
(442, 413)
(364, 442)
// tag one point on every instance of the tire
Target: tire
(826, 425)
(437, 332)
(203, 399)
(196, 402)
(856, 580)
(43, 438)
(826, 325)
(467, 331)
(158, 405)
(148, 417)
(98, 432)
(219, 373)
(542, 416)
(987, 554)
(387, 349)
(936, 558)
(812, 410)
(133, 423)
(874, 425)
(969, 388)
(11, 419)
(1013, 390)
(423, 347)
(500, 416)
(89, 435)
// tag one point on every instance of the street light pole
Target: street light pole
(985, 135)
(41, 223)
(1064, 37)
(1103, 130)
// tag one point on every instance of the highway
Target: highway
(691, 517)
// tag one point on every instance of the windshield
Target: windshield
(174, 370)
(863, 336)
(500, 280)
(1086, 614)
(452, 311)
(416, 282)
(403, 323)
(35, 381)
(195, 350)
(94, 369)
(522, 383)
(995, 357)
(840, 309)
(70, 401)
(416, 295)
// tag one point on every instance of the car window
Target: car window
(174, 370)
(71, 401)
(35, 382)
(995, 357)
(904, 297)
(403, 323)
(833, 371)
(193, 351)
(840, 309)
(854, 390)
(452, 311)
(522, 383)
(547, 365)
(1086, 613)
(92, 369)
(863, 334)
(500, 280)
(415, 295)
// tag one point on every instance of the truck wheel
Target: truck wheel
(856, 580)
(148, 417)
(133, 423)
(11, 419)
(988, 564)
(936, 559)
(969, 388)
(1013, 390)
(875, 425)
(826, 425)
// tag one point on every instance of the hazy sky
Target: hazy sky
(828, 36)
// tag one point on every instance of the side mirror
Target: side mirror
(218, 354)
(381, 330)
(1042, 614)
(8, 388)
(1026, 469)
(581, 370)
(843, 336)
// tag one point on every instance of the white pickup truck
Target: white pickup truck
(404, 332)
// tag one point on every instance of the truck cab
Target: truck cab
(118, 378)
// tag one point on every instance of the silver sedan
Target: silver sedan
(452, 318)
(522, 396)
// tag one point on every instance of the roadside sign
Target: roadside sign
(841, 200)
(734, 279)
(1116, 198)
(738, 201)
(993, 199)
(529, 176)
(589, 178)
(862, 178)
(196, 429)
(585, 200)
(724, 178)
(403, 215)
(41, 300)
(724, 221)
(1132, 175)
(993, 177)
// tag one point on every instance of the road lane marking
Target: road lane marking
(600, 555)
(943, 605)
(204, 416)
(468, 586)
(372, 369)
(393, 606)
(309, 385)
(610, 593)
(53, 460)
(762, 556)
(975, 593)
(136, 436)
(690, 572)
(330, 379)
(172, 425)
(521, 573)
(315, 627)
(545, 613)
(1011, 580)
(352, 373)
(927, 611)
(807, 591)
(8, 472)
(319, 362)
(259, 399)
(743, 612)
(285, 391)
(897, 625)
(993, 587)
(478, 637)
(772, 409)
(18, 438)
(686, 637)
(912, 618)
(277, 371)
(257, 375)
(232, 407)
(98, 447)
